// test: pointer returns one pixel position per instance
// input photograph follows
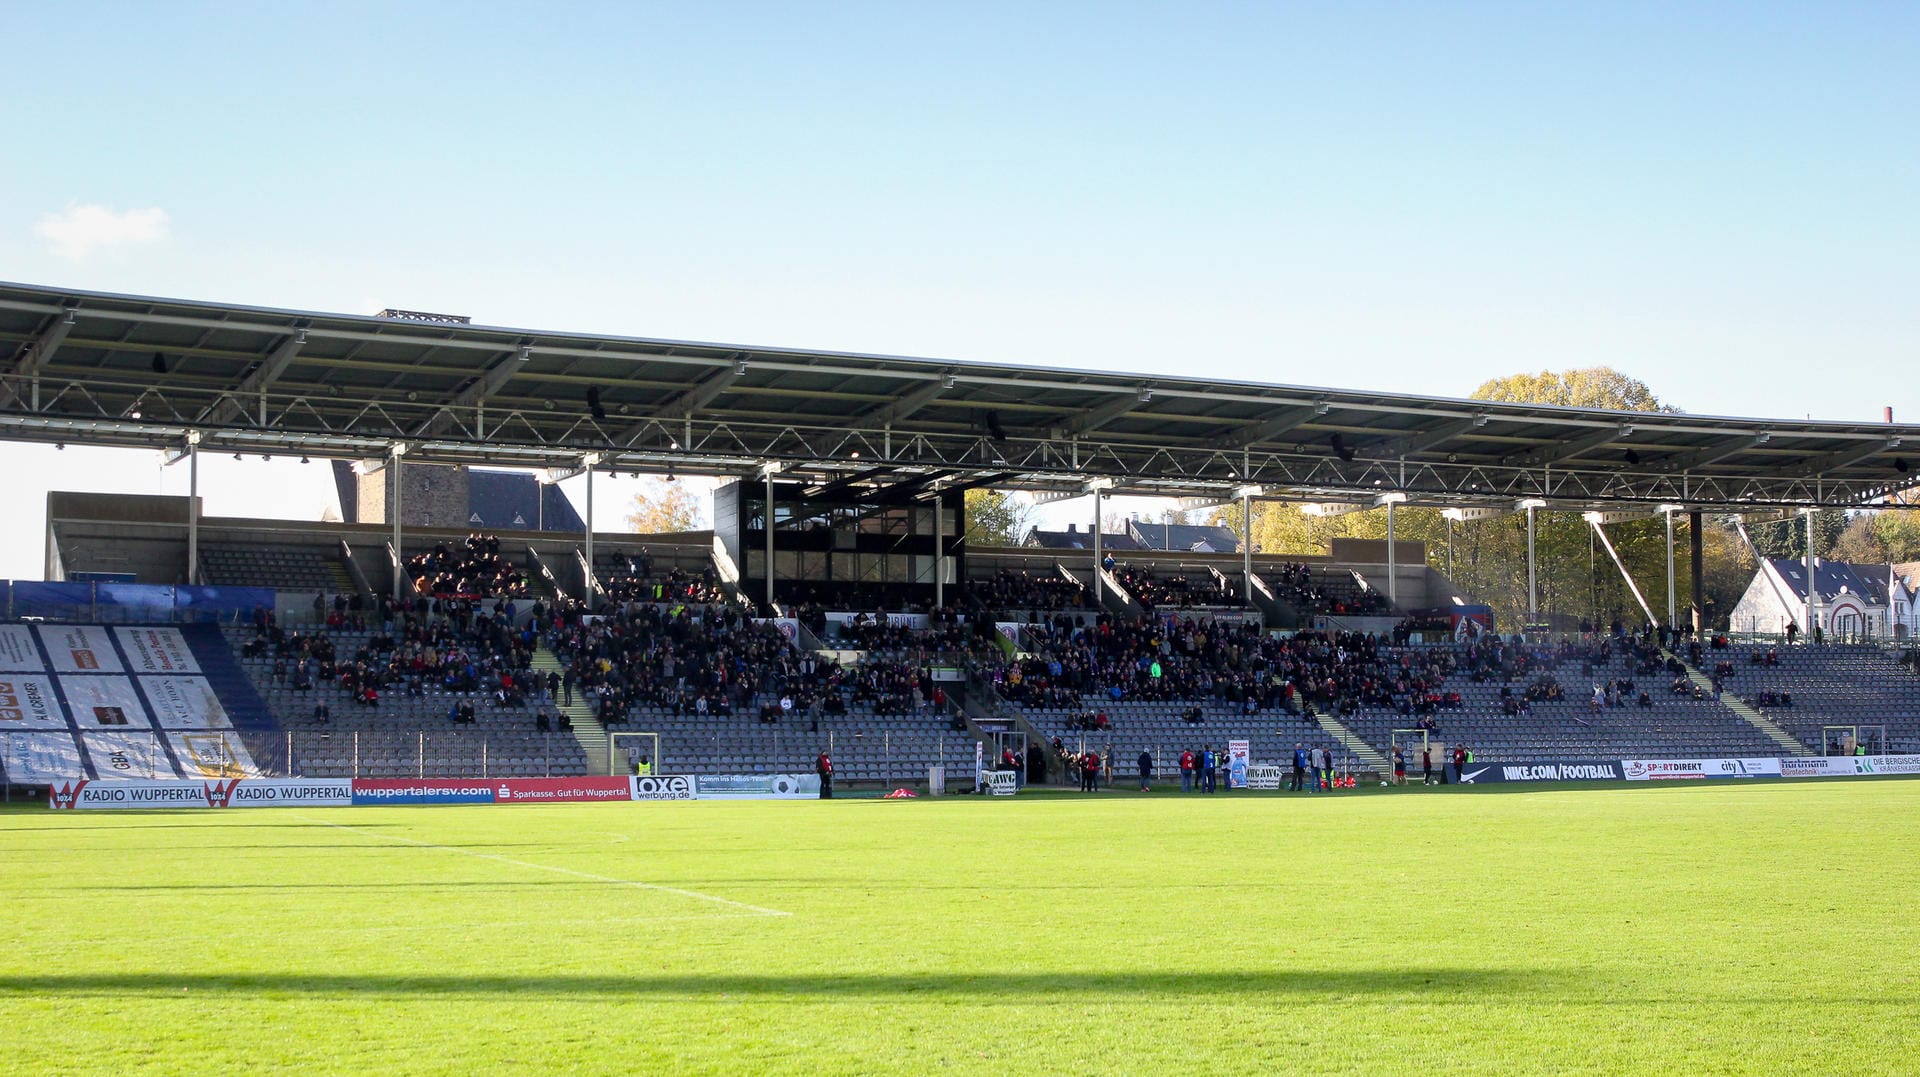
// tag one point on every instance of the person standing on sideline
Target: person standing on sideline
(823, 766)
(1299, 766)
(1459, 762)
(1209, 767)
(1313, 764)
(1426, 765)
(1399, 766)
(1186, 771)
(1146, 768)
(1090, 772)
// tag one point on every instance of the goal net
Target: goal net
(633, 753)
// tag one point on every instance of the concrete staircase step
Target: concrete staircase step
(1354, 743)
(1787, 741)
(587, 730)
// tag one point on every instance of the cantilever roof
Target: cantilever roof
(140, 371)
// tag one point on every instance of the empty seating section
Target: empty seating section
(1567, 727)
(1837, 685)
(289, 568)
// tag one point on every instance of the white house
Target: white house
(1855, 601)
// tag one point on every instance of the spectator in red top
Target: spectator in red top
(1186, 771)
(1090, 772)
(1459, 762)
(824, 767)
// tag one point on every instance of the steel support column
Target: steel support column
(1696, 556)
(193, 507)
(399, 551)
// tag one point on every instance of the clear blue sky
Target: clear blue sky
(1723, 200)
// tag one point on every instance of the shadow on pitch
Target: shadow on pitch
(1456, 985)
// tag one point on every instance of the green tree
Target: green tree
(996, 518)
(659, 507)
(1587, 387)
(1859, 542)
(1786, 534)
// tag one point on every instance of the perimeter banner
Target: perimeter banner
(124, 795)
(1644, 770)
(1556, 770)
(421, 791)
(557, 790)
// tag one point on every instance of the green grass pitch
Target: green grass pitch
(1685, 928)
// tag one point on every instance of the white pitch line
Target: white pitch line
(695, 894)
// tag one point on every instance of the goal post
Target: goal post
(627, 751)
(1847, 739)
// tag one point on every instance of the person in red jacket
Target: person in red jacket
(1459, 763)
(1186, 771)
(1090, 772)
(823, 766)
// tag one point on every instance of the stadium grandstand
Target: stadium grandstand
(462, 620)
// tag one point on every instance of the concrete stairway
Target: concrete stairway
(342, 580)
(1353, 741)
(1789, 743)
(587, 730)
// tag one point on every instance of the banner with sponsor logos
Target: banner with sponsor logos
(214, 754)
(1644, 770)
(676, 787)
(101, 702)
(1003, 783)
(18, 653)
(156, 650)
(755, 787)
(368, 791)
(1848, 766)
(79, 648)
(560, 790)
(1558, 770)
(1886, 764)
(32, 758)
(27, 702)
(1239, 758)
(1264, 776)
(133, 794)
(139, 754)
(185, 703)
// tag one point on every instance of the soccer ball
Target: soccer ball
(1383, 785)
